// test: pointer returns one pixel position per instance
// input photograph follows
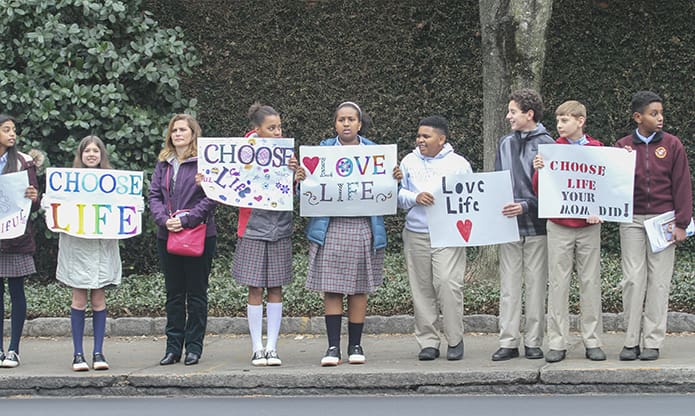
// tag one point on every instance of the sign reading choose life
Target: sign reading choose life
(94, 203)
(348, 181)
(579, 181)
(247, 172)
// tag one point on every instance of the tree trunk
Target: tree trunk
(513, 49)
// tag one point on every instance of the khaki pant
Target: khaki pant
(567, 246)
(436, 281)
(646, 284)
(526, 262)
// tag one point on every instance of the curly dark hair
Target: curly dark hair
(528, 99)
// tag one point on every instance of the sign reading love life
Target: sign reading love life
(467, 210)
(348, 181)
(579, 181)
(94, 203)
(247, 172)
(14, 207)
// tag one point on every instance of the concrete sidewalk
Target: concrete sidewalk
(392, 368)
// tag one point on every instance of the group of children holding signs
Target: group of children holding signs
(346, 253)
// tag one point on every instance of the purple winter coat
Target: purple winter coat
(186, 195)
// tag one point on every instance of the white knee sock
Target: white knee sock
(274, 313)
(255, 318)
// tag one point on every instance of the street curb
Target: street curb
(678, 322)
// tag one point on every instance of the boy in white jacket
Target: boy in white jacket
(435, 274)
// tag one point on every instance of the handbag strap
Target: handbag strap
(168, 179)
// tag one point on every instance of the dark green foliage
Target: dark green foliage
(405, 60)
(76, 67)
(400, 60)
(144, 295)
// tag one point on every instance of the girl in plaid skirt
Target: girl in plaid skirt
(263, 257)
(346, 254)
(16, 255)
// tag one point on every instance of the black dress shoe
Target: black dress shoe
(533, 353)
(428, 354)
(504, 354)
(191, 358)
(455, 353)
(629, 353)
(170, 358)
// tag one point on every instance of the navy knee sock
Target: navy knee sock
(19, 310)
(333, 329)
(99, 325)
(355, 333)
(77, 327)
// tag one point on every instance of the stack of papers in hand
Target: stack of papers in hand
(660, 230)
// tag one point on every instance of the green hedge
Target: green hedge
(405, 60)
(144, 295)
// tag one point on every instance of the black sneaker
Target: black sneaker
(332, 357)
(356, 355)
(99, 362)
(79, 363)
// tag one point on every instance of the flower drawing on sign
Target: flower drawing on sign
(283, 188)
(344, 167)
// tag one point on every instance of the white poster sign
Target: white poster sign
(248, 172)
(14, 207)
(467, 210)
(94, 203)
(348, 181)
(579, 181)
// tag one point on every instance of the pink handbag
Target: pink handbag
(189, 242)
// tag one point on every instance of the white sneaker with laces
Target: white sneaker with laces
(258, 359)
(272, 358)
(11, 360)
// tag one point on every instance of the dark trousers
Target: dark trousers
(186, 281)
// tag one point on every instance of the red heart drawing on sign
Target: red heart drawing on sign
(258, 198)
(464, 228)
(311, 163)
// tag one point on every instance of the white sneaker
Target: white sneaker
(11, 360)
(272, 358)
(258, 359)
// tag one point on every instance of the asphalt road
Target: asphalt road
(642, 405)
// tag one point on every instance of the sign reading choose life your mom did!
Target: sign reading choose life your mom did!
(579, 181)
(94, 203)
(248, 172)
(14, 207)
(467, 210)
(348, 181)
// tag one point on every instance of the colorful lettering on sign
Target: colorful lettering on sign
(247, 154)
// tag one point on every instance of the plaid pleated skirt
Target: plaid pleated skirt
(16, 265)
(347, 262)
(259, 263)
